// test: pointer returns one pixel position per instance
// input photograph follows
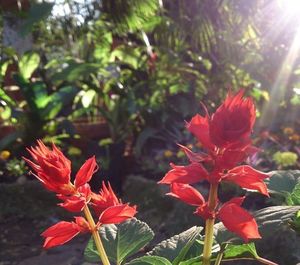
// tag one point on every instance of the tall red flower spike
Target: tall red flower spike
(225, 135)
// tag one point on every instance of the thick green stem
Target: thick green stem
(209, 225)
(96, 236)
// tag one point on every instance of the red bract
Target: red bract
(63, 232)
(52, 168)
(233, 121)
(249, 178)
(192, 173)
(86, 172)
(186, 193)
(237, 220)
(117, 214)
(105, 199)
(76, 202)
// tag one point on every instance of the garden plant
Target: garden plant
(226, 138)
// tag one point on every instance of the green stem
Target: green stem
(209, 225)
(219, 258)
(96, 236)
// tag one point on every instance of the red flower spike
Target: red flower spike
(105, 199)
(86, 172)
(190, 174)
(117, 214)
(63, 232)
(249, 178)
(194, 157)
(238, 220)
(52, 168)
(199, 126)
(186, 193)
(233, 121)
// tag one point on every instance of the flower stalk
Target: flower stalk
(209, 225)
(96, 236)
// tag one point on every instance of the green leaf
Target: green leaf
(28, 63)
(87, 98)
(120, 241)
(240, 251)
(177, 247)
(293, 198)
(149, 260)
(74, 71)
(283, 181)
(269, 220)
(6, 98)
(37, 13)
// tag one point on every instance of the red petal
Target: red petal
(60, 233)
(117, 214)
(238, 221)
(199, 126)
(86, 172)
(192, 173)
(249, 178)
(186, 193)
(73, 204)
(194, 157)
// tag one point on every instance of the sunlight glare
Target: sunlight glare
(291, 7)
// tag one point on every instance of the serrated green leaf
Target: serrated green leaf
(149, 260)
(240, 251)
(177, 247)
(294, 197)
(28, 63)
(120, 241)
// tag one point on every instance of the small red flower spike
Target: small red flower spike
(52, 168)
(190, 174)
(63, 232)
(105, 199)
(237, 220)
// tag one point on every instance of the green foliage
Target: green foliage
(149, 260)
(28, 64)
(120, 241)
(179, 247)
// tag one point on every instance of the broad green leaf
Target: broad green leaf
(87, 98)
(295, 223)
(269, 220)
(37, 13)
(293, 198)
(120, 241)
(128, 55)
(75, 71)
(283, 181)
(149, 260)
(28, 63)
(240, 251)
(177, 247)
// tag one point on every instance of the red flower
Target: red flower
(52, 168)
(105, 199)
(233, 121)
(117, 214)
(86, 172)
(109, 208)
(192, 173)
(249, 178)
(186, 193)
(237, 220)
(76, 202)
(63, 232)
